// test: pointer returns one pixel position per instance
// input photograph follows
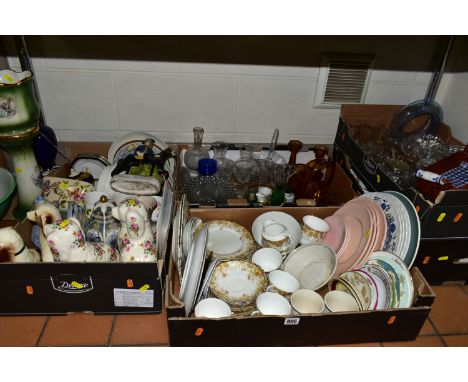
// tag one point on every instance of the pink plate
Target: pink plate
(335, 237)
(351, 253)
(363, 215)
(381, 226)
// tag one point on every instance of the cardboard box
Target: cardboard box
(447, 218)
(341, 185)
(61, 288)
(444, 224)
(300, 330)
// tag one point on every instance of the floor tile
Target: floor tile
(78, 329)
(422, 341)
(456, 340)
(449, 313)
(21, 331)
(133, 329)
(427, 329)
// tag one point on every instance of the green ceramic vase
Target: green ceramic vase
(19, 115)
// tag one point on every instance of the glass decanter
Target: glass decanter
(244, 169)
(225, 166)
(208, 188)
(197, 151)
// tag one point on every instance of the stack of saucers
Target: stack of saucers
(238, 283)
(229, 241)
(383, 282)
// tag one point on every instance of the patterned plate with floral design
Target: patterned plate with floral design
(237, 282)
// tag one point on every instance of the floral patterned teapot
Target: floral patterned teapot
(136, 240)
(67, 244)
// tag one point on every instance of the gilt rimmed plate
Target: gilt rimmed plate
(394, 280)
(361, 286)
(237, 282)
(229, 241)
(404, 276)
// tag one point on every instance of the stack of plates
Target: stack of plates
(238, 283)
(193, 271)
(403, 228)
(229, 241)
(375, 221)
(357, 229)
(383, 282)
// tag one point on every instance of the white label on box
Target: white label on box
(292, 321)
(134, 298)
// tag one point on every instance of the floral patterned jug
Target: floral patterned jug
(67, 244)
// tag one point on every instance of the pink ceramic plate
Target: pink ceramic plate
(381, 226)
(336, 235)
(352, 251)
(363, 214)
(369, 236)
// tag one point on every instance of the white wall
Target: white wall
(453, 97)
(99, 100)
(174, 88)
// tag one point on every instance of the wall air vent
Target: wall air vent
(342, 79)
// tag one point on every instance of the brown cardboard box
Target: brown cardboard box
(300, 330)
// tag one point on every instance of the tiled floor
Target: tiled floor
(447, 326)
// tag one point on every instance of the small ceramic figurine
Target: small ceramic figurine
(144, 162)
(44, 213)
(136, 240)
(13, 249)
(67, 244)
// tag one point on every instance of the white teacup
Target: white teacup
(212, 308)
(268, 259)
(314, 229)
(275, 235)
(269, 303)
(306, 301)
(282, 282)
(339, 301)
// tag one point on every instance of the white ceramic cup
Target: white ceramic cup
(275, 235)
(268, 259)
(314, 229)
(269, 303)
(339, 301)
(282, 282)
(212, 308)
(306, 301)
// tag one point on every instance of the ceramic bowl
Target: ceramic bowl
(268, 259)
(305, 301)
(7, 189)
(312, 264)
(282, 282)
(339, 301)
(291, 224)
(269, 303)
(212, 308)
